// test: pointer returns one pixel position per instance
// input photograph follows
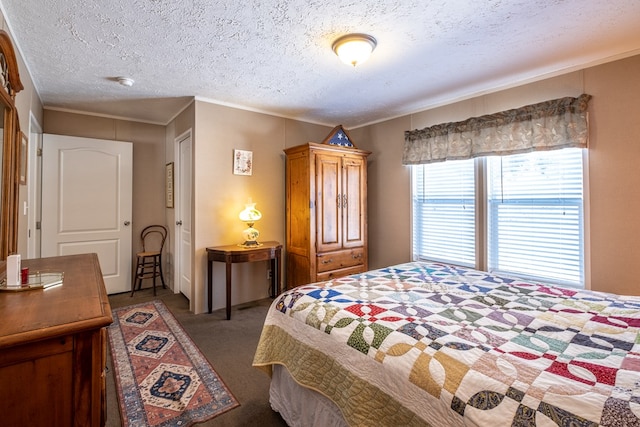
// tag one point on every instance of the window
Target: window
(444, 212)
(534, 222)
(535, 215)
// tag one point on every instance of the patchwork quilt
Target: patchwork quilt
(433, 344)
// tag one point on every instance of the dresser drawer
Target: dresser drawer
(339, 259)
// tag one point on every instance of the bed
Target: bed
(433, 344)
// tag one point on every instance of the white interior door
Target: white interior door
(87, 203)
(183, 217)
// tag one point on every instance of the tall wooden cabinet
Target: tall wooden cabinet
(326, 212)
(53, 347)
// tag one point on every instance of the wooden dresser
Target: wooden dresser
(326, 212)
(53, 347)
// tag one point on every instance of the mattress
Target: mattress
(434, 344)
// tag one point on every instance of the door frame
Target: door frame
(34, 187)
(177, 199)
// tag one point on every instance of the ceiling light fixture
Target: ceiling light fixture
(354, 49)
(125, 81)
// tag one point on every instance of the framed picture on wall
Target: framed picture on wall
(242, 162)
(169, 185)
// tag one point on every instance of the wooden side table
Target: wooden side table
(232, 254)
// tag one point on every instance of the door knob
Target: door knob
(127, 223)
(179, 222)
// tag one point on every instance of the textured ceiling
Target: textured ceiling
(276, 57)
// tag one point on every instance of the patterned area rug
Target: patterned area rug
(161, 376)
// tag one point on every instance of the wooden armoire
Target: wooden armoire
(326, 210)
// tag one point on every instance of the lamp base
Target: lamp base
(250, 244)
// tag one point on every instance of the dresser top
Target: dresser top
(79, 304)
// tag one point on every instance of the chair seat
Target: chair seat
(148, 254)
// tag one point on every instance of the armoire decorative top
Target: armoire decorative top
(340, 137)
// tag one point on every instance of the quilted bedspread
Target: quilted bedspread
(433, 344)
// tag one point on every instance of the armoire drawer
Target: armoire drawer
(336, 274)
(339, 259)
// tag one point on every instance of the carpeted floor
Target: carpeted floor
(229, 346)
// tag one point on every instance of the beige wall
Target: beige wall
(219, 195)
(389, 196)
(614, 183)
(297, 133)
(614, 175)
(613, 178)
(148, 160)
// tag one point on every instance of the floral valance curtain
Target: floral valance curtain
(549, 125)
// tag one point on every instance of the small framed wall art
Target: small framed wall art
(242, 162)
(169, 185)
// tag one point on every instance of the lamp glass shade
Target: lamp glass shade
(250, 214)
(354, 49)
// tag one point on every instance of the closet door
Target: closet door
(87, 203)
(328, 202)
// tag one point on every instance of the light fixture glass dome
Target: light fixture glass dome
(125, 81)
(354, 49)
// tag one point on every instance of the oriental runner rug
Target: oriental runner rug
(162, 378)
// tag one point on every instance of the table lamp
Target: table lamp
(250, 215)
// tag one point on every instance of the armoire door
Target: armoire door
(354, 202)
(328, 202)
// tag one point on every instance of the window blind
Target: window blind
(535, 215)
(444, 212)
